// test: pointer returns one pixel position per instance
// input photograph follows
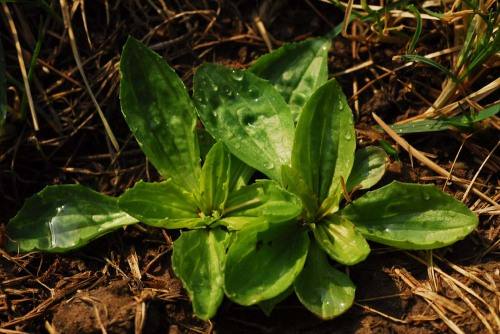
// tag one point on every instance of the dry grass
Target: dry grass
(76, 134)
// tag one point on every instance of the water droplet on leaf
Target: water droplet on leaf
(237, 75)
(268, 165)
(287, 75)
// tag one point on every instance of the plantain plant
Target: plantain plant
(256, 241)
(316, 160)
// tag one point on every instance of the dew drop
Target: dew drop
(347, 135)
(246, 116)
(309, 81)
(427, 197)
(229, 93)
(268, 165)
(253, 93)
(287, 75)
(238, 76)
(155, 120)
(299, 99)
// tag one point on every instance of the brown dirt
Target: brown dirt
(125, 277)
(111, 307)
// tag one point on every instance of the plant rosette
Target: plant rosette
(287, 229)
(317, 161)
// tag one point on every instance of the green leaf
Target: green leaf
(296, 70)
(267, 306)
(247, 114)
(411, 216)
(3, 87)
(368, 169)
(294, 183)
(198, 260)
(463, 122)
(160, 114)
(430, 62)
(322, 289)
(215, 179)
(331, 204)
(205, 141)
(64, 217)
(162, 204)
(340, 240)
(263, 200)
(323, 150)
(240, 173)
(418, 28)
(263, 261)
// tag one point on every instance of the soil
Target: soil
(123, 282)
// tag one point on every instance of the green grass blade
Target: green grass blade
(418, 28)
(430, 62)
(435, 125)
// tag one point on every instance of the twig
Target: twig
(426, 161)
(368, 308)
(479, 170)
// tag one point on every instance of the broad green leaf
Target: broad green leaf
(296, 70)
(64, 217)
(323, 150)
(205, 141)
(322, 289)
(240, 173)
(160, 114)
(294, 183)
(340, 240)
(162, 204)
(263, 261)
(263, 200)
(331, 204)
(267, 306)
(3, 87)
(368, 169)
(247, 114)
(215, 179)
(411, 216)
(198, 260)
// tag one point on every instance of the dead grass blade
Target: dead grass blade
(22, 65)
(426, 161)
(470, 304)
(72, 40)
(429, 297)
(464, 287)
(479, 171)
